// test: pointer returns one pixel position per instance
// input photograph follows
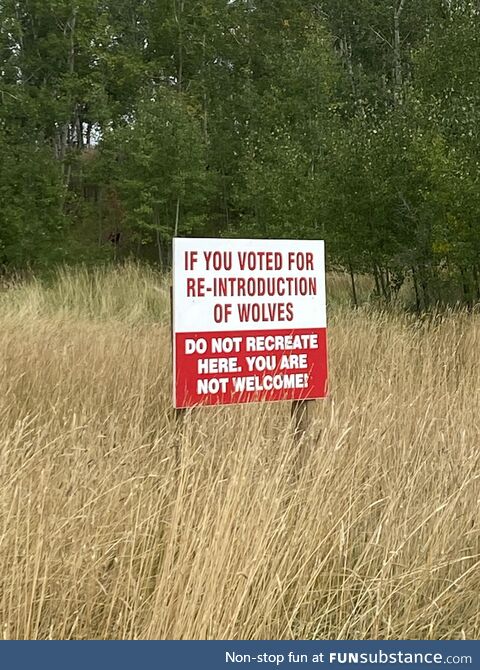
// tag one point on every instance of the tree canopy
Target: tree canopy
(357, 121)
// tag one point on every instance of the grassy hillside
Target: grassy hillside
(118, 522)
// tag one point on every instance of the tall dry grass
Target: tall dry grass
(104, 534)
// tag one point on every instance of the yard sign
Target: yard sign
(249, 321)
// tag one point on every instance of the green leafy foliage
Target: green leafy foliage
(124, 123)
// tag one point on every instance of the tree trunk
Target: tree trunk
(354, 288)
(157, 235)
(417, 293)
(425, 288)
(205, 90)
(178, 10)
(100, 221)
(346, 53)
(177, 217)
(225, 199)
(64, 138)
(467, 294)
(159, 249)
(397, 53)
(377, 283)
(383, 284)
(477, 281)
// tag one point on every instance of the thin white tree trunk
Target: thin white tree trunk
(397, 51)
(177, 216)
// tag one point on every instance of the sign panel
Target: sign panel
(249, 321)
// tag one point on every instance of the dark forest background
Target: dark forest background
(125, 122)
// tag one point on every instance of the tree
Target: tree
(160, 172)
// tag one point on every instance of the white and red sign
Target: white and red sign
(249, 321)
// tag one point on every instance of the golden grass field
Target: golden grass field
(105, 534)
